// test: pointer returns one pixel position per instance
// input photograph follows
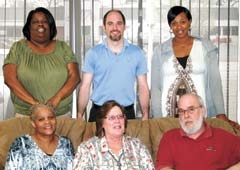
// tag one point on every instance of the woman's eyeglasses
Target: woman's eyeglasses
(114, 117)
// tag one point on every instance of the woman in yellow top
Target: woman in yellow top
(40, 68)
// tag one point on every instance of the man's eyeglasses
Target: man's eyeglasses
(189, 110)
(114, 117)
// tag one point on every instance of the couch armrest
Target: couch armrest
(72, 128)
(9, 130)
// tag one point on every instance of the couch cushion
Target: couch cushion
(74, 129)
(90, 130)
(9, 130)
(219, 123)
(139, 129)
(157, 127)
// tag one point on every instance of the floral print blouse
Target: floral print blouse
(95, 154)
(25, 154)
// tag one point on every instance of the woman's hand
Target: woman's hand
(54, 101)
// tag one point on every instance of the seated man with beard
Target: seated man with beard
(196, 145)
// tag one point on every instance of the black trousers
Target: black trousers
(95, 111)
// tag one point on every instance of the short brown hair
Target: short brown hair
(113, 10)
(105, 108)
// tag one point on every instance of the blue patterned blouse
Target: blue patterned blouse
(25, 154)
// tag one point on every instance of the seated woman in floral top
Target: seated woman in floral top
(110, 149)
(42, 149)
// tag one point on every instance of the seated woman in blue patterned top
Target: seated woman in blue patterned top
(42, 149)
(110, 149)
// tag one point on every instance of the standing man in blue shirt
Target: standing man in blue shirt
(113, 67)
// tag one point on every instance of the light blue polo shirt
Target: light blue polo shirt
(114, 75)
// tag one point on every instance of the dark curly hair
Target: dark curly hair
(50, 20)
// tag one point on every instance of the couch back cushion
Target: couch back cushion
(9, 130)
(74, 129)
(90, 130)
(156, 129)
(140, 129)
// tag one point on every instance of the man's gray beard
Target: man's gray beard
(197, 126)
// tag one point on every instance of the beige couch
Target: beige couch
(150, 131)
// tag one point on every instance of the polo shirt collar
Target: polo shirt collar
(126, 43)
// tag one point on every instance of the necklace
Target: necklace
(118, 161)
